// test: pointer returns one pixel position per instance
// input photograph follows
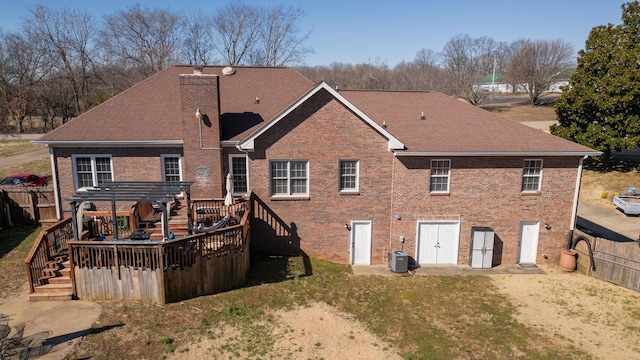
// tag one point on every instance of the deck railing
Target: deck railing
(50, 242)
(102, 222)
(107, 260)
(209, 211)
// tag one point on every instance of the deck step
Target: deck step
(49, 273)
(54, 289)
(60, 280)
(50, 296)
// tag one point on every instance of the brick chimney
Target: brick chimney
(202, 157)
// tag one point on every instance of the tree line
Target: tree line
(527, 65)
(61, 63)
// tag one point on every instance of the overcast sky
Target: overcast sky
(388, 31)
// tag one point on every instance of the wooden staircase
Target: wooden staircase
(56, 281)
(178, 223)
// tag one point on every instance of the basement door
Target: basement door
(528, 242)
(361, 242)
(437, 242)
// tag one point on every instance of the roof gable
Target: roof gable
(249, 143)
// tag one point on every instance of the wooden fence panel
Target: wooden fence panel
(615, 261)
(28, 205)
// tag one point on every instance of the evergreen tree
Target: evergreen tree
(601, 106)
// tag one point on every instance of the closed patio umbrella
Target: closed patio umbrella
(228, 199)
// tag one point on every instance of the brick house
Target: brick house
(345, 174)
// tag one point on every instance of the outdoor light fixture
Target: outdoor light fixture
(346, 226)
(398, 216)
(422, 117)
(199, 114)
(547, 226)
(257, 100)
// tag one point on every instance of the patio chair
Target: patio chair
(18, 333)
(37, 344)
(146, 215)
(4, 331)
(11, 347)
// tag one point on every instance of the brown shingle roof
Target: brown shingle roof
(150, 110)
(452, 126)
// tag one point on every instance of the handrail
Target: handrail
(49, 243)
(166, 254)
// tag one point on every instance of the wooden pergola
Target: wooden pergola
(159, 192)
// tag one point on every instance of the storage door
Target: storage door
(438, 242)
(528, 242)
(361, 242)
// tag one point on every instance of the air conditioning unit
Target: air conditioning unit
(399, 261)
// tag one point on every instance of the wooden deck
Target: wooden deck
(156, 269)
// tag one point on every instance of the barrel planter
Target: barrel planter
(568, 260)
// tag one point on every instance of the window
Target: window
(531, 175)
(440, 170)
(348, 175)
(92, 170)
(171, 168)
(239, 173)
(289, 178)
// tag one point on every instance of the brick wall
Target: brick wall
(323, 132)
(202, 161)
(129, 164)
(486, 192)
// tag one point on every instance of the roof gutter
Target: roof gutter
(497, 153)
(111, 144)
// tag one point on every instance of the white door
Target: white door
(361, 242)
(529, 242)
(438, 242)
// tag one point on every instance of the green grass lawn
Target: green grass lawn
(457, 317)
(15, 244)
(426, 317)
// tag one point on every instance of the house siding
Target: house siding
(486, 191)
(323, 131)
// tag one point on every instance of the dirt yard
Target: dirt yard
(598, 317)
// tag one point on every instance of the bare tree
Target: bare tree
(68, 37)
(245, 34)
(467, 61)
(423, 73)
(23, 64)
(198, 45)
(148, 39)
(536, 64)
(281, 41)
(236, 32)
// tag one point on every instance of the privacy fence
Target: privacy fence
(614, 261)
(27, 205)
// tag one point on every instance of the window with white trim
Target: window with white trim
(289, 178)
(171, 168)
(440, 170)
(531, 175)
(92, 170)
(239, 174)
(349, 175)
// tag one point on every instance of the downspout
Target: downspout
(571, 242)
(574, 210)
(54, 176)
